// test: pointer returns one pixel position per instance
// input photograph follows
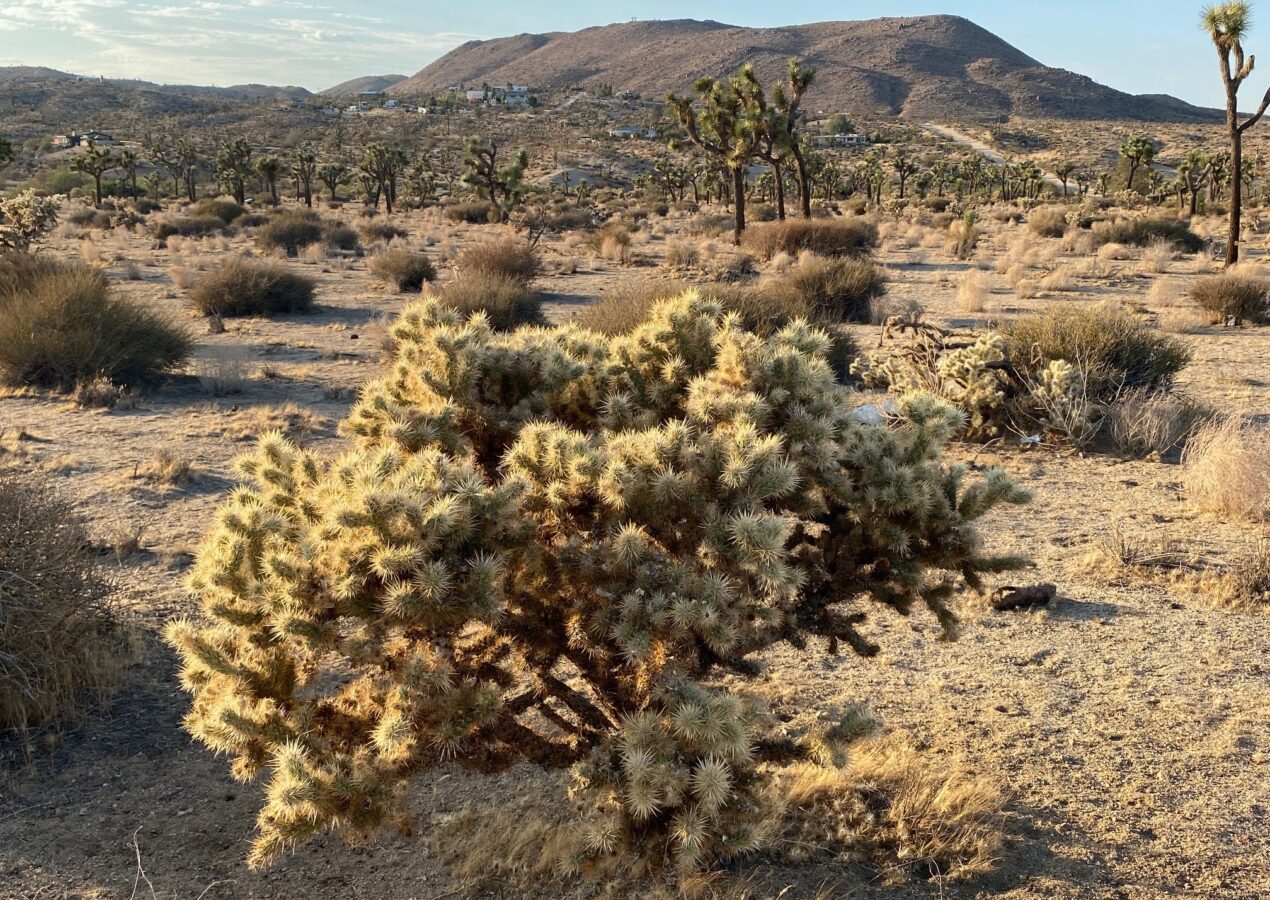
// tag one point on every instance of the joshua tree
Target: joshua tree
(269, 168)
(1083, 179)
(233, 167)
(304, 169)
(128, 162)
(382, 165)
(502, 186)
(187, 156)
(96, 163)
(6, 153)
(789, 102)
(1227, 24)
(723, 127)
(905, 166)
(1191, 175)
(331, 174)
(1064, 170)
(1104, 183)
(1138, 151)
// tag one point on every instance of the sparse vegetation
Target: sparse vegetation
(825, 237)
(509, 258)
(1232, 297)
(506, 302)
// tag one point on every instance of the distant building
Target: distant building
(633, 132)
(83, 139)
(841, 140)
(390, 104)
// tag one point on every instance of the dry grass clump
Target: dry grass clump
(507, 302)
(507, 258)
(381, 231)
(186, 226)
(972, 292)
(59, 639)
(825, 237)
(1232, 298)
(840, 290)
(62, 324)
(1114, 350)
(1156, 257)
(223, 370)
(1143, 423)
(406, 270)
(221, 208)
(478, 212)
(963, 237)
(682, 255)
(1048, 221)
(290, 420)
(165, 467)
(290, 230)
(1142, 232)
(1226, 468)
(896, 809)
(247, 287)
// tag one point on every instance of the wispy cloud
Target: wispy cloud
(217, 41)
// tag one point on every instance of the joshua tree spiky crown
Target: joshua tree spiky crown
(542, 548)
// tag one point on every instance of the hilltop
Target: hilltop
(366, 83)
(925, 67)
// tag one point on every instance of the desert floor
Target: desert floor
(1128, 721)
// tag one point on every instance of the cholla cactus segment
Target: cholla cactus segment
(26, 218)
(541, 546)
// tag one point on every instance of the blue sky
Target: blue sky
(1136, 46)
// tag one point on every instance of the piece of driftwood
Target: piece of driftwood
(1009, 597)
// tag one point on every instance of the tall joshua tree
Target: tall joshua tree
(269, 168)
(96, 163)
(304, 170)
(1139, 151)
(233, 167)
(723, 126)
(1227, 24)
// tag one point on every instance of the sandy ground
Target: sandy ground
(1127, 722)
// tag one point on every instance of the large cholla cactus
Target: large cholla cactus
(544, 548)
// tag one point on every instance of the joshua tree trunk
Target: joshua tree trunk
(738, 189)
(780, 191)
(804, 181)
(1236, 166)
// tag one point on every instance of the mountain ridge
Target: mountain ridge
(919, 67)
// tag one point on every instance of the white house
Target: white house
(841, 140)
(633, 132)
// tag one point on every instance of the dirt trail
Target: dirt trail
(984, 150)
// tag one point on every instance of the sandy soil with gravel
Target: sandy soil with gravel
(1127, 722)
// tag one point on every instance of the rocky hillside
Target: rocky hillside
(357, 86)
(927, 67)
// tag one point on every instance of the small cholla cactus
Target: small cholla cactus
(26, 218)
(543, 546)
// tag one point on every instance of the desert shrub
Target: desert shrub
(1232, 298)
(1142, 231)
(1048, 221)
(709, 224)
(612, 234)
(840, 290)
(61, 324)
(60, 640)
(682, 255)
(252, 220)
(1226, 468)
(404, 269)
(963, 236)
(340, 236)
(545, 547)
(1054, 373)
(88, 217)
(1142, 423)
(472, 213)
(825, 237)
(937, 204)
(186, 226)
(219, 207)
(508, 258)
(381, 231)
(248, 287)
(506, 302)
(289, 231)
(1115, 350)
